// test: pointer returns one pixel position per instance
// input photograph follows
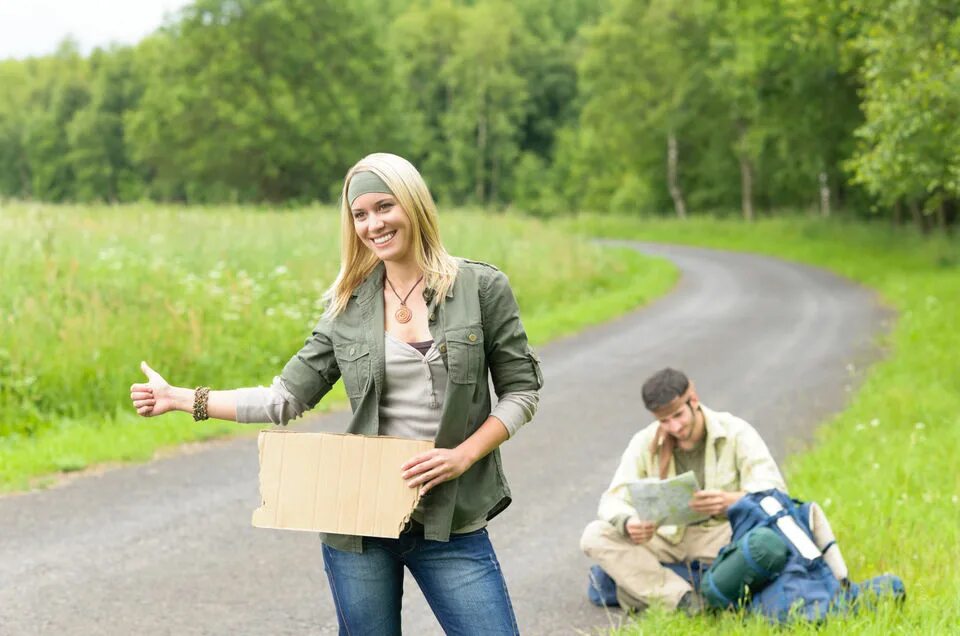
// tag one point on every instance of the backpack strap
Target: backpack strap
(790, 529)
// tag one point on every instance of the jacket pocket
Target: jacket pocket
(465, 354)
(354, 361)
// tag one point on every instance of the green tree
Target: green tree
(909, 145)
(99, 157)
(58, 89)
(263, 101)
(646, 104)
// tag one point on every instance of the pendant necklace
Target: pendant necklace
(403, 314)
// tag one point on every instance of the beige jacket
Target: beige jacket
(735, 458)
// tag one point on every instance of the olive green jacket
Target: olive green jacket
(478, 332)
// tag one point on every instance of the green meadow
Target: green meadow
(885, 468)
(219, 296)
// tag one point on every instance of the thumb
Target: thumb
(147, 371)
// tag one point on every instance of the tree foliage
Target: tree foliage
(631, 106)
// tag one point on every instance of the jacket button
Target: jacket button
(443, 348)
(472, 337)
(353, 350)
(430, 316)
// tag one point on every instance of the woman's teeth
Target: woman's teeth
(380, 240)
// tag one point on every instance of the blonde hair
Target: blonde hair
(357, 261)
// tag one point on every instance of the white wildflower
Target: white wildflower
(874, 422)
(919, 426)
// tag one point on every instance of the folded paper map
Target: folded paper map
(666, 502)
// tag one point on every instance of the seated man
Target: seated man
(728, 458)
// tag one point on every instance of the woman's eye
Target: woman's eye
(359, 216)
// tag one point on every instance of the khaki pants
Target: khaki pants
(641, 580)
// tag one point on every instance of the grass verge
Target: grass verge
(219, 296)
(885, 468)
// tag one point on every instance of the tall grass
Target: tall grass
(886, 468)
(219, 296)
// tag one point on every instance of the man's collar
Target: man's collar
(715, 428)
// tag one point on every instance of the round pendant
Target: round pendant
(403, 315)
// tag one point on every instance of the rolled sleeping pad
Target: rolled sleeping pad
(749, 564)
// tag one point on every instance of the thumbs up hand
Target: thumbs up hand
(155, 396)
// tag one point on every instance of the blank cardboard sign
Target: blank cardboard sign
(345, 484)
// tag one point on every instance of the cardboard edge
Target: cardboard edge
(259, 510)
(409, 515)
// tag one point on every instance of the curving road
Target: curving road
(167, 547)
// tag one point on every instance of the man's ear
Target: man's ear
(694, 399)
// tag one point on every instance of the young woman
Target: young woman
(416, 335)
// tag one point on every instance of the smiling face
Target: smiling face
(382, 226)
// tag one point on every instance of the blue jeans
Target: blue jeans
(461, 580)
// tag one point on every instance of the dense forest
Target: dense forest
(623, 106)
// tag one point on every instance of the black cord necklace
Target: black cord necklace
(403, 314)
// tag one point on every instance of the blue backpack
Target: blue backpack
(805, 588)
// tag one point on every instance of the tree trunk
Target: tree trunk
(672, 183)
(495, 179)
(917, 216)
(824, 196)
(481, 156)
(897, 214)
(942, 217)
(746, 188)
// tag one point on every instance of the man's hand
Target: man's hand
(714, 502)
(640, 531)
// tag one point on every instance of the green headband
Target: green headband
(364, 183)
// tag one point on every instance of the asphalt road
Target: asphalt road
(167, 547)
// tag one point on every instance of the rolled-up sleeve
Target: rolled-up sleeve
(516, 409)
(273, 404)
(615, 504)
(513, 364)
(313, 371)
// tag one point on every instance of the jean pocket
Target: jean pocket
(465, 354)
(353, 358)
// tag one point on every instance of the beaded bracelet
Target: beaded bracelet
(200, 396)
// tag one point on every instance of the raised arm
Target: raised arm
(305, 379)
(156, 396)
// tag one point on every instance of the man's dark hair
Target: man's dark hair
(663, 387)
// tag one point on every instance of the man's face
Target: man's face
(678, 420)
